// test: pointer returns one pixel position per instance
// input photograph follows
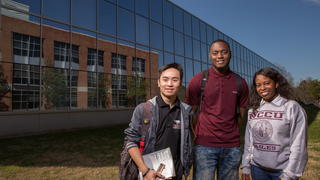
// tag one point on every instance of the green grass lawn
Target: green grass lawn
(94, 153)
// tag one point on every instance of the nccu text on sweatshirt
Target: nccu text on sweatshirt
(276, 138)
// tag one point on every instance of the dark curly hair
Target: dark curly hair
(284, 88)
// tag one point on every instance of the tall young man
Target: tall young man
(169, 126)
(217, 138)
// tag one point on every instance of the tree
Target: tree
(105, 83)
(54, 86)
(4, 89)
(137, 88)
(308, 91)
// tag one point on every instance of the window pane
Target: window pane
(156, 35)
(203, 32)
(196, 49)
(189, 70)
(178, 43)
(168, 13)
(187, 24)
(107, 17)
(129, 4)
(188, 46)
(168, 39)
(195, 28)
(178, 19)
(156, 10)
(32, 6)
(142, 30)
(197, 67)
(126, 24)
(50, 9)
(157, 55)
(87, 19)
(209, 35)
(215, 34)
(168, 58)
(180, 60)
(142, 7)
(204, 53)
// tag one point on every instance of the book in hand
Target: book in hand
(160, 161)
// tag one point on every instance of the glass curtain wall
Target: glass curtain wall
(101, 54)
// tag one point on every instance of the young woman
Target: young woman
(276, 133)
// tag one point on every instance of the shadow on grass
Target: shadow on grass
(312, 112)
(98, 147)
(80, 148)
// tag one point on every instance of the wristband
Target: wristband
(145, 173)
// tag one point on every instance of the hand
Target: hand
(153, 175)
(245, 177)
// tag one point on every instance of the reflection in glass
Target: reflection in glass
(87, 19)
(187, 23)
(220, 35)
(178, 43)
(142, 30)
(196, 50)
(189, 70)
(215, 34)
(126, 43)
(104, 90)
(180, 60)
(188, 46)
(159, 57)
(168, 58)
(182, 89)
(128, 4)
(203, 33)
(209, 35)
(106, 38)
(107, 17)
(50, 9)
(197, 67)
(55, 25)
(195, 28)
(80, 31)
(168, 14)
(168, 39)
(142, 7)
(125, 24)
(33, 6)
(156, 10)
(156, 37)
(204, 53)
(178, 19)
(26, 49)
(56, 88)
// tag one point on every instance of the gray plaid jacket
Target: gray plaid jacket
(133, 135)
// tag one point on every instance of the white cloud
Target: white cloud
(317, 2)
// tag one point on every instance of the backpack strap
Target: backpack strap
(239, 89)
(204, 80)
(145, 123)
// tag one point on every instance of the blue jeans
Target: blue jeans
(208, 159)
(258, 173)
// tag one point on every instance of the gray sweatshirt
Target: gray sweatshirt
(276, 138)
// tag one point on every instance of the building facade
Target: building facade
(82, 55)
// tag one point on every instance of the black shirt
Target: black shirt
(169, 131)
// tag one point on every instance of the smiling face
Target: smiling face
(169, 83)
(220, 55)
(266, 87)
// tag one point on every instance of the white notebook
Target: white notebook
(163, 157)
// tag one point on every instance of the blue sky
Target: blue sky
(285, 32)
